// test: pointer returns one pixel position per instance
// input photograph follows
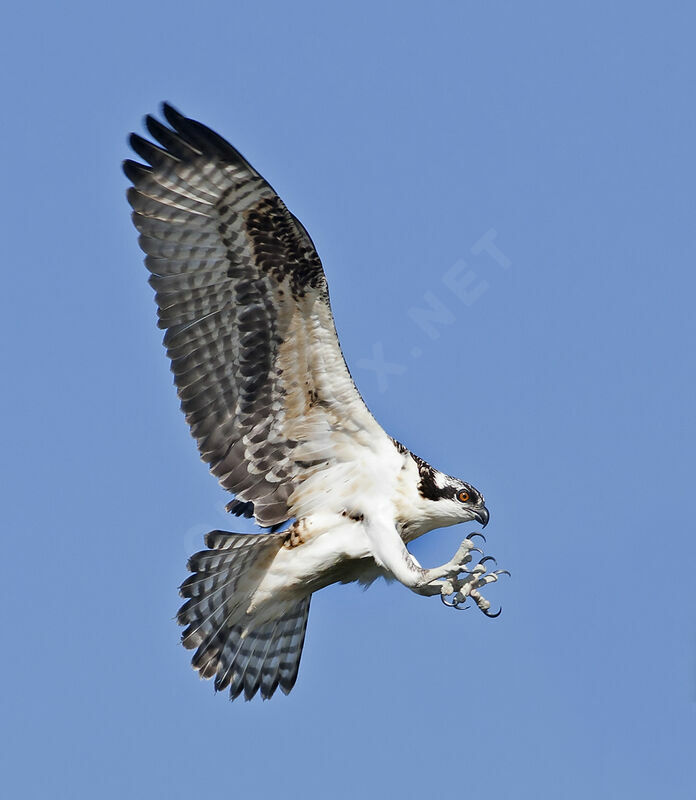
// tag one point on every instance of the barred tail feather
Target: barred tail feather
(266, 658)
(241, 654)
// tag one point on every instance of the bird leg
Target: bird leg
(461, 583)
(431, 582)
(451, 579)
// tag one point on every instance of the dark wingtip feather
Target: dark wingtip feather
(203, 138)
(172, 116)
(169, 139)
(134, 171)
(147, 150)
(154, 126)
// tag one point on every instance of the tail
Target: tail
(241, 654)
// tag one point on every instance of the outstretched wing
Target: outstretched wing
(250, 334)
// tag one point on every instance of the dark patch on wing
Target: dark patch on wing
(278, 249)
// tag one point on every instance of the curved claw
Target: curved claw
(493, 616)
(487, 558)
(453, 604)
(476, 533)
(503, 572)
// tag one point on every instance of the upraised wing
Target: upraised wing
(250, 334)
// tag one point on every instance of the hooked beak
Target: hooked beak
(482, 516)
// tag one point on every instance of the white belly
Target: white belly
(330, 551)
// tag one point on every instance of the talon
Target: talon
(455, 603)
(476, 533)
(502, 572)
(487, 558)
(493, 616)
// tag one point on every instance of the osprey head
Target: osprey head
(450, 500)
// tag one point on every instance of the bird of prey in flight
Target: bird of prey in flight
(269, 399)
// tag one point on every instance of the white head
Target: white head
(451, 498)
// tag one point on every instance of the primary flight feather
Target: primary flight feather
(266, 392)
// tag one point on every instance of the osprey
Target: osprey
(275, 413)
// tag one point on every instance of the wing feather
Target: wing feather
(242, 295)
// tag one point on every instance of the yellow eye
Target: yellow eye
(463, 496)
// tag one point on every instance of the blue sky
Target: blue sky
(558, 377)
